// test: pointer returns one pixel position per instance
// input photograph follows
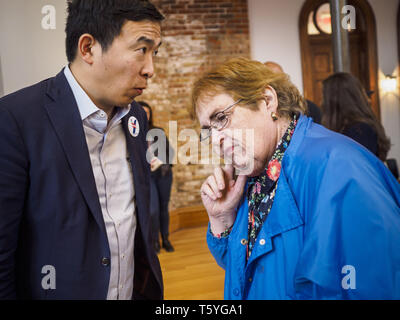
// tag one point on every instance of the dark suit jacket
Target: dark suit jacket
(49, 207)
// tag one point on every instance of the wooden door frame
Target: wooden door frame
(369, 15)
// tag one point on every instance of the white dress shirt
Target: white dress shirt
(114, 181)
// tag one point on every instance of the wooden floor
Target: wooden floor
(191, 273)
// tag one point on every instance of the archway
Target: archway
(316, 48)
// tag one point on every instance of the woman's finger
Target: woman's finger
(229, 171)
(206, 190)
(212, 182)
(219, 177)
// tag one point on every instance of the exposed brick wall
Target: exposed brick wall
(197, 35)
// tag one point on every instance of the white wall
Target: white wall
(274, 35)
(386, 20)
(1, 80)
(28, 53)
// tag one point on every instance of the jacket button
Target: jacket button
(243, 242)
(262, 242)
(105, 262)
(236, 292)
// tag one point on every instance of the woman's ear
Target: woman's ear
(271, 99)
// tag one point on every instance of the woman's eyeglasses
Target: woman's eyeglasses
(218, 122)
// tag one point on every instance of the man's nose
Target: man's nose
(148, 68)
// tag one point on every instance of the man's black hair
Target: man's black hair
(103, 19)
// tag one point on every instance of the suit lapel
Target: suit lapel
(65, 117)
(136, 147)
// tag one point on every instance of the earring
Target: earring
(274, 116)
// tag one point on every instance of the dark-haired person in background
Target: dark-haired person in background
(161, 183)
(347, 110)
(74, 180)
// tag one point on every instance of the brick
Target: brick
(197, 35)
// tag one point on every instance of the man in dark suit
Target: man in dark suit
(74, 180)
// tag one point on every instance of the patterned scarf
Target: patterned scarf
(262, 189)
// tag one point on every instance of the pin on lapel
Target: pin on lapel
(133, 125)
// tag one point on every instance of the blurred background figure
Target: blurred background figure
(313, 110)
(160, 188)
(347, 111)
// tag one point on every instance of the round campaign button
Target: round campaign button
(133, 125)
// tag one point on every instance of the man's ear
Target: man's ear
(86, 45)
(271, 99)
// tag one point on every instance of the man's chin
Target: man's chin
(125, 103)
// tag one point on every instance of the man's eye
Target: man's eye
(144, 50)
(155, 53)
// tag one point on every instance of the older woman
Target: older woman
(316, 217)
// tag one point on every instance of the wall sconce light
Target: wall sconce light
(389, 84)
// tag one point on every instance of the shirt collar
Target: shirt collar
(85, 104)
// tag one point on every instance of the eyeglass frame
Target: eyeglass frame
(209, 133)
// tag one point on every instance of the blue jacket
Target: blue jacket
(50, 214)
(333, 231)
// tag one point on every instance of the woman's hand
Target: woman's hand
(221, 195)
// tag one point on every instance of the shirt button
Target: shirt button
(236, 292)
(250, 279)
(243, 242)
(262, 242)
(105, 262)
(123, 256)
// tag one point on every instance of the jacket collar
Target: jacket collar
(302, 126)
(66, 120)
(284, 215)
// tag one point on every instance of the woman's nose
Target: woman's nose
(216, 136)
(217, 140)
